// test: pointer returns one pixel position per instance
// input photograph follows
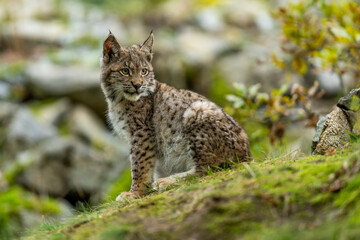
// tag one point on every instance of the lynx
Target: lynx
(172, 132)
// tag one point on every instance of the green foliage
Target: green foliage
(15, 200)
(37, 106)
(17, 91)
(355, 103)
(248, 100)
(14, 169)
(324, 31)
(123, 184)
(11, 69)
(219, 88)
(87, 40)
(316, 33)
(271, 111)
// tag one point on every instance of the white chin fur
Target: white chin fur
(132, 97)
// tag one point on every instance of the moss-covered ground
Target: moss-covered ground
(287, 197)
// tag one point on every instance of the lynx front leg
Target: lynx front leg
(142, 156)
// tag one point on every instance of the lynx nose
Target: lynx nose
(137, 86)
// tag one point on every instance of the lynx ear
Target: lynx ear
(111, 48)
(146, 47)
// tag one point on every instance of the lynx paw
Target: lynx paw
(163, 183)
(126, 196)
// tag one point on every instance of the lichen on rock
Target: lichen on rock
(335, 129)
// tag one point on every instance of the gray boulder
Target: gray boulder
(49, 79)
(5, 90)
(80, 83)
(201, 48)
(25, 131)
(334, 130)
(244, 67)
(7, 110)
(65, 167)
(53, 113)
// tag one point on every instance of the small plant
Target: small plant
(322, 35)
(84, 207)
(274, 110)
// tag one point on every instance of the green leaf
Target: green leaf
(254, 89)
(241, 89)
(262, 97)
(299, 65)
(237, 102)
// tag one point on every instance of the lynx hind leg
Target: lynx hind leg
(164, 183)
(214, 137)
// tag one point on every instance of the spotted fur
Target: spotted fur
(172, 132)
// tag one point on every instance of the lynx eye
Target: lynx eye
(144, 72)
(125, 71)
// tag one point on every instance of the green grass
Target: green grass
(285, 197)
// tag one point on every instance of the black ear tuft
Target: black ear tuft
(147, 45)
(111, 48)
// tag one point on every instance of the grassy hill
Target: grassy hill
(287, 197)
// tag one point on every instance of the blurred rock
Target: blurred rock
(29, 218)
(92, 98)
(200, 48)
(248, 67)
(48, 79)
(53, 113)
(264, 21)
(327, 78)
(87, 126)
(210, 20)
(47, 170)
(5, 91)
(247, 14)
(174, 75)
(84, 123)
(89, 171)
(175, 13)
(7, 110)
(330, 82)
(80, 83)
(64, 167)
(299, 140)
(25, 131)
(28, 9)
(66, 209)
(33, 30)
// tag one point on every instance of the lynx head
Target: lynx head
(127, 71)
